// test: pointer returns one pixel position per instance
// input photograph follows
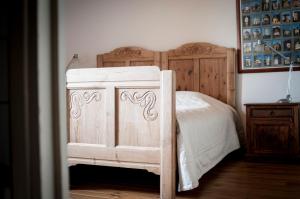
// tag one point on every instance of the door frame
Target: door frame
(37, 96)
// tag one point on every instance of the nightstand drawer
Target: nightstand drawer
(270, 112)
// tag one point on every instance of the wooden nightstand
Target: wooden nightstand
(273, 129)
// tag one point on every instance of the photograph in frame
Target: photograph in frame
(264, 23)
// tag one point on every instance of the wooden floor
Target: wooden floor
(232, 178)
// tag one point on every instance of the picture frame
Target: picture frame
(275, 23)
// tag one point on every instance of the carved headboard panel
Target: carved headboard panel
(203, 67)
(129, 56)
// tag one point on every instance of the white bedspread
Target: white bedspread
(206, 133)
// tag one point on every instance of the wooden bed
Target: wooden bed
(125, 117)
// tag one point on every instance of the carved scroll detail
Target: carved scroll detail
(77, 100)
(194, 49)
(89, 96)
(146, 100)
(197, 49)
(127, 52)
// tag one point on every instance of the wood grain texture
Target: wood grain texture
(273, 130)
(86, 125)
(118, 154)
(231, 76)
(124, 117)
(106, 127)
(168, 136)
(229, 179)
(138, 119)
(204, 67)
(184, 70)
(129, 56)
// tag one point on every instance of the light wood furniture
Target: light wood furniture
(129, 56)
(273, 129)
(203, 67)
(125, 117)
(199, 66)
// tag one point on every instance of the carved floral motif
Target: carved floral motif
(194, 49)
(127, 52)
(77, 100)
(198, 49)
(146, 100)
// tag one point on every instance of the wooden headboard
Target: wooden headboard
(129, 56)
(203, 67)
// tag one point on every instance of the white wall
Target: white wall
(265, 87)
(97, 26)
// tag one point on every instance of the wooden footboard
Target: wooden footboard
(123, 117)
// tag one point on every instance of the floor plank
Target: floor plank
(231, 178)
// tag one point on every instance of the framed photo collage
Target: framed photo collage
(276, 23)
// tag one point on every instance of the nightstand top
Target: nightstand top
(273, 104)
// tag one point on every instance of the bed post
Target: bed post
(231, 67)
(167, 136)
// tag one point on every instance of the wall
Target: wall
(97, 26)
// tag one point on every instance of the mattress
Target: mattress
(206, 133)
